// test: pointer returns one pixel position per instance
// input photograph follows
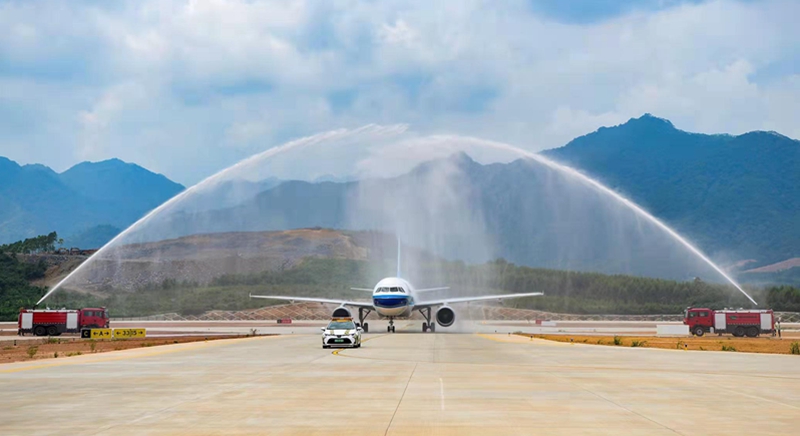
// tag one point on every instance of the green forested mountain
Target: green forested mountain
(734, 195)
(15, 288)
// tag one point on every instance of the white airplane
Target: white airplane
(394, 297)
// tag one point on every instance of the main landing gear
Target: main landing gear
(427, 325)
(362, 316)
(390, 328)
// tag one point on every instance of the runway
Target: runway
(401, 384)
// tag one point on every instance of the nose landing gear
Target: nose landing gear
(390, 328)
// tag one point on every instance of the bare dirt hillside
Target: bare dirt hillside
(201, 258)
(775, 267)
(58, 266)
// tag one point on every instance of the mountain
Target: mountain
(735, 196)
(123, 184)
(37, 200)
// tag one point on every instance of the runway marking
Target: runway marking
(716, 385)
(401, 399)
(542, 342)
(99, 359)
(580, 386)
(336, 352)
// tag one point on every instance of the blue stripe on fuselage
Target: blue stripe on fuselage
(391, 301)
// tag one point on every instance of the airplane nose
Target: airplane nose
(390, 302)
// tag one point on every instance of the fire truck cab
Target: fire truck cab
(738, 322)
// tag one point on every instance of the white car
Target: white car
(341, 332)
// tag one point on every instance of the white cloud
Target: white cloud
(186, 87)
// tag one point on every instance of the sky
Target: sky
(187, 88)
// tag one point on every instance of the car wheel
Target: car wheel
(752, 331)
(40, 330)
(698, 331)
(52, 331)
(738, 332)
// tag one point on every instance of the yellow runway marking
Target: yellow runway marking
(99, 359)
(336, 352)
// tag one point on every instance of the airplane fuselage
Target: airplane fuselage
(393, 297)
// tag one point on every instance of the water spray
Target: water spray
(338, 134)
(385, 131)
(606, 190)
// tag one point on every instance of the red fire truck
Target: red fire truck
(738, 322)
(54, 322)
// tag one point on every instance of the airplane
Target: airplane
(394, 297)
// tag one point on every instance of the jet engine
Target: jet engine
(445, 316)
(342, 312)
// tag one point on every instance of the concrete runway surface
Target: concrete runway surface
(450, 384)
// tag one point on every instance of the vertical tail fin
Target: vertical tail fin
(398, 255)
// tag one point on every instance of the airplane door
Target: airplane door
(719, 321)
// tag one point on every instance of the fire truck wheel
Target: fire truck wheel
(40, 330)
(738, 331)
(52, 330)
(698, 331)
(752, 331)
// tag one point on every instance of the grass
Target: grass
(741, 345)
(728, 348)
(32, 351)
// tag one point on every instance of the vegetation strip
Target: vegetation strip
(57, 348)
(725, 343)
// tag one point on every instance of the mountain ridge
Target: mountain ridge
(735, 196)
(38, 200)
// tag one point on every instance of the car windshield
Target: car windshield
(341, 325)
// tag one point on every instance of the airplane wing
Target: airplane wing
(361, 289)
(433, 289)
(315, 300)
(480, 298)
